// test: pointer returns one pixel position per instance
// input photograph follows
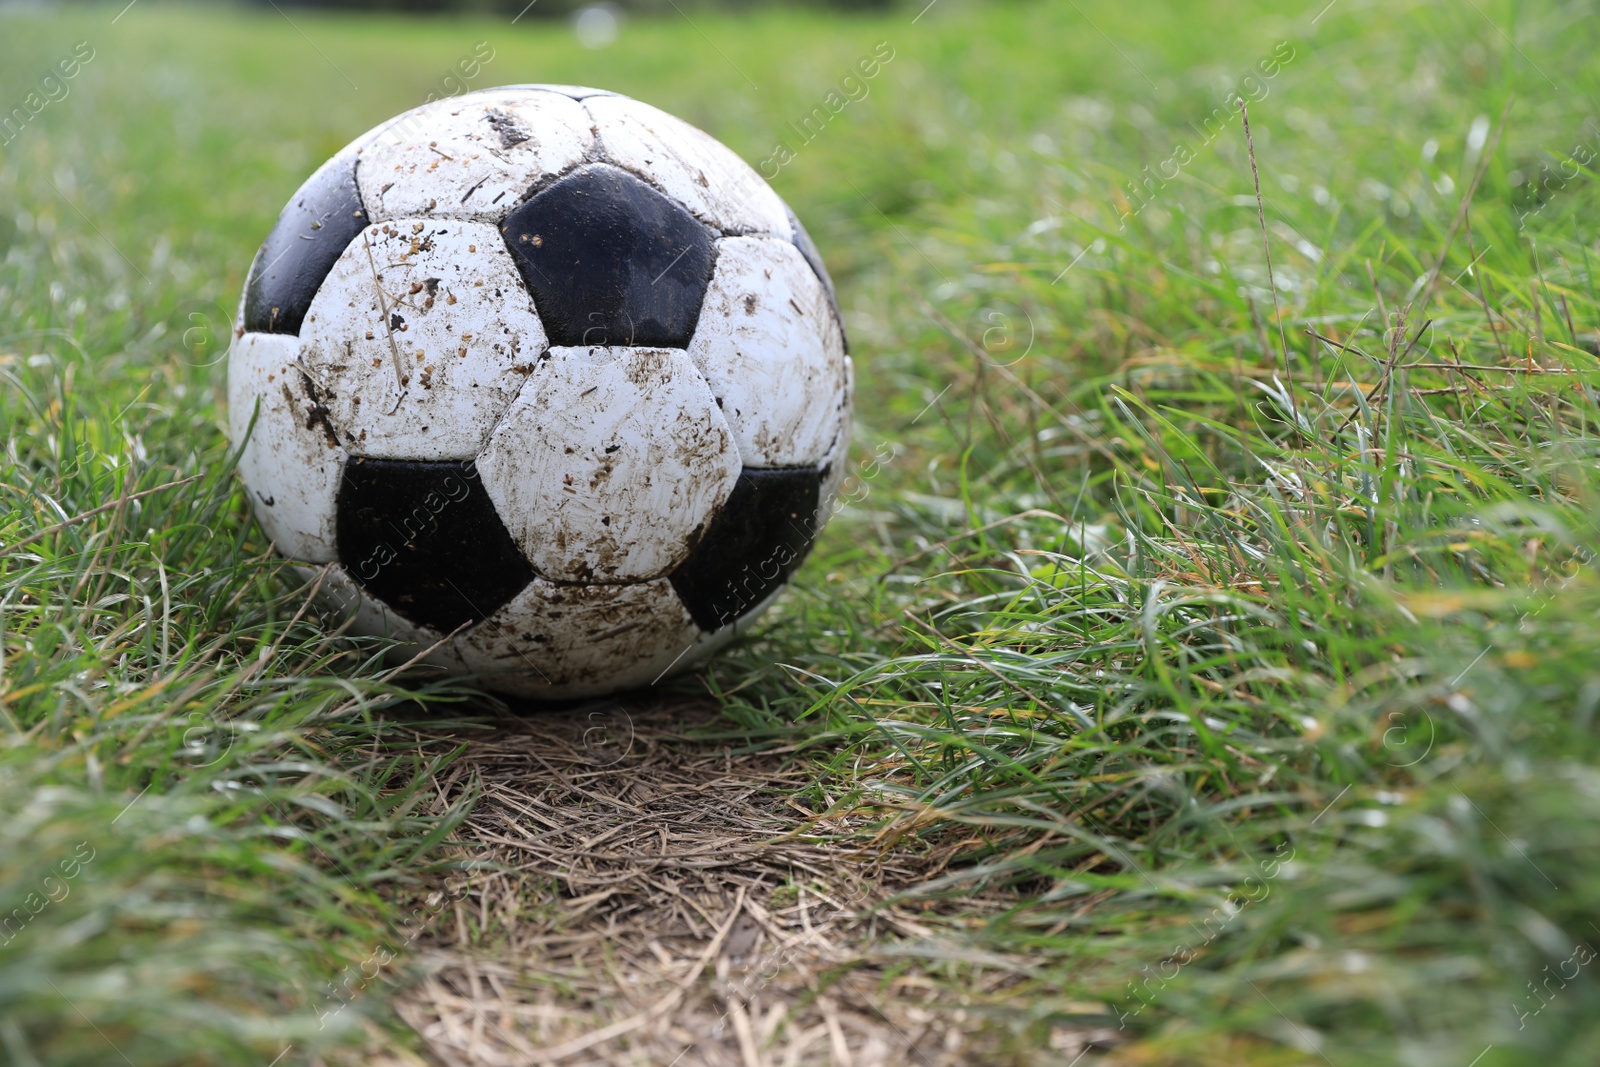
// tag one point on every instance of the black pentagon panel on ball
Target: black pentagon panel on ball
(313, 231)
(808, 249)
(611, 261)
(424, 538)
(758, 538)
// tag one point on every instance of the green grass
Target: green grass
(1258, 671)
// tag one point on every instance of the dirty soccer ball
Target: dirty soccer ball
(548, 370)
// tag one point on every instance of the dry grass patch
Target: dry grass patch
(656, 896)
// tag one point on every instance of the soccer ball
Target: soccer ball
(553, 380)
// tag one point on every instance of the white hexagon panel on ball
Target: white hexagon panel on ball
(687, 164)
(772, 350)
(558, 640)
(609, 463)
(836, 464)
(576, 92)
(472, 156)
(292, 461)
(420, 337)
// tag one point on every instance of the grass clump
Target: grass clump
(207, 817)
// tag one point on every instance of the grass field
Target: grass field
(1203, 669)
